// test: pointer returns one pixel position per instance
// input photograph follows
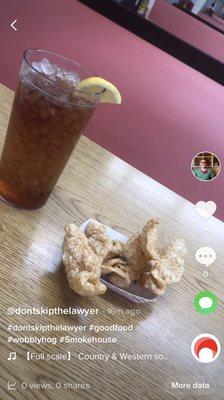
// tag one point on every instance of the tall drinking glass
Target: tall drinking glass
(47, 118)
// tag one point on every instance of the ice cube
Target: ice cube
(47, 67)
(71, 77)
(37, 66)
(60, 73)
(53, 71)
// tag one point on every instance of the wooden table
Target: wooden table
(97, 184)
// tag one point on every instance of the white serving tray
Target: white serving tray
(134, 292)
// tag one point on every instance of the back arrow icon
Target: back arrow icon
(12, 25)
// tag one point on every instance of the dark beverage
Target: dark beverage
(46, 121)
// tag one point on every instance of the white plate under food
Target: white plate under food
(134, 292)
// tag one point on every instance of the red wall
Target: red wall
(188, 29)
(169, 112)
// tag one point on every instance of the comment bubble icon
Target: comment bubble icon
(205, 302)
(205, 256)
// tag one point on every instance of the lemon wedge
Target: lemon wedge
(93, 85)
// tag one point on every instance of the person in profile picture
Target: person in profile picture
(216, 168)
(202, 172)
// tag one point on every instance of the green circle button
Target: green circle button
(205, 302)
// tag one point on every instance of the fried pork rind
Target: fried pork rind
(135, 258)
(85, 283)
(109, 253)
(154, 282)
(141, 248)
(117, 271)
(81, 263)
(148, 239)
(116, 250)
(99, 242)
(167, 268)
(89, 255)
(171, 261)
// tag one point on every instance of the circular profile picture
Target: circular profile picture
(205, 166)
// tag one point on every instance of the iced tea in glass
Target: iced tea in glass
(47, 118)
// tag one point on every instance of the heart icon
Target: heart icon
(206, 209)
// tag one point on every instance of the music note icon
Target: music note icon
(12, 356)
